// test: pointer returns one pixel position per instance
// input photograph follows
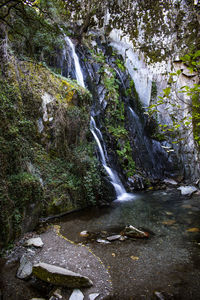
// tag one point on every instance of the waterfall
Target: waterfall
(114, 178)
(79, 75)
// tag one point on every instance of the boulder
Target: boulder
(113, 237)
(60, 276)
(187, 190)
(25, 269)
(131, 231)
(36, 242)
(76, 295)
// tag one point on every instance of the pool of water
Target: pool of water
(167, 262)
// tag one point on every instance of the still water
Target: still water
(168, 262)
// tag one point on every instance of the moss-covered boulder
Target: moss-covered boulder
(60, 276)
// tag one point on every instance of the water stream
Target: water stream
(120, 191)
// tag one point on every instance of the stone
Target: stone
(113, 237)
(159, 295)
(131, 231)
(38, 299)
(170, 181)
(56, 295)
(25, 269)
(103, 241)
(136, 182)
(60, 276)
(84, 233)
(163, 295)
(76, 295)
(123, 238)
(36, 242)
(187, 190)
(93, 296)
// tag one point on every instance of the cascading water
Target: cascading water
(114, 179)
(78, 72)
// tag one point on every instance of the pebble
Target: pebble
(103, 241)
(76, 295)
(113, 237)
(84, 233)
(93, 296)
(36, 242)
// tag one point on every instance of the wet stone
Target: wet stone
(170, 181)
(114, 237)
(187, 190)
(84, 233)
(101, 241)
(131, 231)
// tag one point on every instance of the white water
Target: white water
(114, 179)
(79, 75)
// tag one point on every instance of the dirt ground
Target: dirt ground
(59, 251)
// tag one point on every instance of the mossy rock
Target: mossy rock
(60, 276)
(49, 171)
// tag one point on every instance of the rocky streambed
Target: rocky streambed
(163, 263)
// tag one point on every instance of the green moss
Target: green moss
(153, 90)
(48, 169)
(196, 118)
(115, 113)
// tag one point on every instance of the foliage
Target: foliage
(32, 28)
(54, 169)
(120, 64)
(115, 114)
(181, 121)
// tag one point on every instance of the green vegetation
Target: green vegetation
(31, 28)
(115, 114)
(45, 172)
(180, 121)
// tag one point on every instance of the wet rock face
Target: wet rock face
(152, 37)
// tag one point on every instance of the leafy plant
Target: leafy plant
(115, 113)
(178, 122)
